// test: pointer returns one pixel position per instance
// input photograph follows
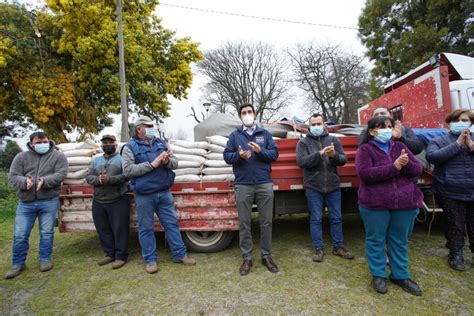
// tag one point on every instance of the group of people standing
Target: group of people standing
(389, 199)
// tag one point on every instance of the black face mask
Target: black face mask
(108, 149)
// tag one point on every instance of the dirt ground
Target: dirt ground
(78, 285)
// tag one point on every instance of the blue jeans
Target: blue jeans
(26, 214)
(162, 204)
(316, 203)
(391, 227)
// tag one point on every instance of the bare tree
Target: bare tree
(333, 81)
(246, 73)
(195, 115)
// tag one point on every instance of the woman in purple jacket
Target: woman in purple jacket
(388, 202)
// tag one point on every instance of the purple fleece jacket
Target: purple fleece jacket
(382, 185)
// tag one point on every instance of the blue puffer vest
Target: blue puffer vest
(159, 179)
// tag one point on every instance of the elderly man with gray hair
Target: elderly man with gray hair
(148, 163)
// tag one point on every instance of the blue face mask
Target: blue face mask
(316, 130)
(149, 132)
(41, 148)
(384, 135)
(458, 127)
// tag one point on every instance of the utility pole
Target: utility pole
(124, 136)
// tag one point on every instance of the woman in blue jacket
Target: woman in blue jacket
(453, 182)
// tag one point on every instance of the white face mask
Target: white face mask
(248, 120)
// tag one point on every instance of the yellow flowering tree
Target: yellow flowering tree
(59, 65)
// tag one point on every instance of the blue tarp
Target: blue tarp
(427, 134)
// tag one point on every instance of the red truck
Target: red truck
(207, 211)
(426, 95)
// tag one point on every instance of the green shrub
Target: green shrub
(7, 155)
(8, 199)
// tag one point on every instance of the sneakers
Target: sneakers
(318, 255)
(186, 260)
(117, 264)
(14, 272)
(342, 252)
(151, 268)
(456, 262)
(380, 285)
(45, 266)
(104, 261)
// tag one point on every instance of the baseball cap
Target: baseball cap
(108, 136)
(143, 120)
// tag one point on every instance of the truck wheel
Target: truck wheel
(207, 241)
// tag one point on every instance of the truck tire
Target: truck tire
(208, 241)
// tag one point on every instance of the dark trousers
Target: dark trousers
(112, 221)
(457, 216)
(263, 196)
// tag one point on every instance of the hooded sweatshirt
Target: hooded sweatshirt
(52, 166)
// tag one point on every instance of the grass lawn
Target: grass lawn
(78, 285)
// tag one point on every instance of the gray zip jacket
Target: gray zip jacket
(116, 187)
(320, 173)
(52, 166)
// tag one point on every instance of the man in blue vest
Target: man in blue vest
(251, 150)
(148, 163)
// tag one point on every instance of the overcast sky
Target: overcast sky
(212, 29)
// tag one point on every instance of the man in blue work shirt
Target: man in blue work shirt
(251, 150)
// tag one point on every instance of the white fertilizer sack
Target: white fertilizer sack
(188, 151)
(79, 153)
(195, 158)
(217, 140)
(218, 177)
(188, 178)
(73, 161)
(186, 144)
(187, 171)
(216, 148)
(215, 156)
(216, 163)
(89, 144)
(74, 181)
(77, 168)
(69, 146)
(188, 164)
(77, 174)
(210, 171)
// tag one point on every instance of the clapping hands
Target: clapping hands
(30, 182)
(328, 151)
(465, 139)
(402, 160)
(244, 154)
(397, 130)
(163, 158)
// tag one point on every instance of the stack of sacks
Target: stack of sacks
(216, 169)
(79, 157)
(191, 157)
